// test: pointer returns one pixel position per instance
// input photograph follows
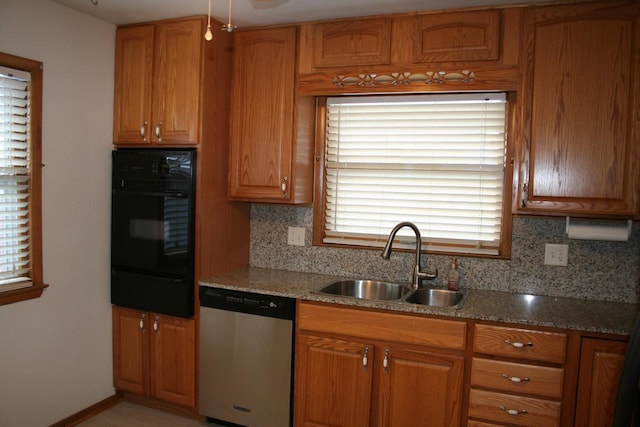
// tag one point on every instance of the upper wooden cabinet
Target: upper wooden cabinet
(272, 129)
(158, 70)
(361, 42)
(460, 36)
(420, 52)
(580, 110)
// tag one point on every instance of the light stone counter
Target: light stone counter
(565, 313)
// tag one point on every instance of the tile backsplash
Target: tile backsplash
(596, 270)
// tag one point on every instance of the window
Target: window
(20, 179)
(435, 160)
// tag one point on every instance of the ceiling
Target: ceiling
(249, 13)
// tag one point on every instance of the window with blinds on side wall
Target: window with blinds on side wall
(14, 178)
(435, 160)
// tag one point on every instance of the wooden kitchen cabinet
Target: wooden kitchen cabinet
(154, 355)
(517, 376)
(418, 387)
(352, 42)
(457, 36)
(272, 129)
(335, 380)
(158, 78)
(580, 110)
(420, 52)
(601, 364)
(365, 368)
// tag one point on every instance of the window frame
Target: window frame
(37, 285)
(319, 203)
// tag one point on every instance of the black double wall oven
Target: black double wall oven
(152, 230)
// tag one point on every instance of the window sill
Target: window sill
(17, 295)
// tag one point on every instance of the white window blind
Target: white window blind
(434, 160)
(14, 177)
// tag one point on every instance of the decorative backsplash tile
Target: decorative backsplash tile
(597, 270)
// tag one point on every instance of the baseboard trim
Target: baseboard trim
(89, 412)
(153, 403)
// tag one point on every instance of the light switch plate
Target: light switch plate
(556, 254)
(295, 236)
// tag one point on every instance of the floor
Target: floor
(127, 414)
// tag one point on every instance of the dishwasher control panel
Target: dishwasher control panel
(247, 302)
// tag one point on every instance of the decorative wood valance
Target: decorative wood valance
(406, 78)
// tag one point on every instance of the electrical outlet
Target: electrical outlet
(556, 254)
(295, 236)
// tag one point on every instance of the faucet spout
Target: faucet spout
(418, 273)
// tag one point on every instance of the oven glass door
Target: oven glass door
(152, 232)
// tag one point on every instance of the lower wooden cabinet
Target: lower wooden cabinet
(517, 376)
(154, 355)
(358, 367)
(601, 364)
(418, 388)
(333, 382)
(349, 379)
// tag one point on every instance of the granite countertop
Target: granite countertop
(565, 313)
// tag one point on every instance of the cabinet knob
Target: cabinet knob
(143, 131)
(385, 361)
(158, 131)
(365, 357)
(155, 324)
(284, 186)
(144, 315)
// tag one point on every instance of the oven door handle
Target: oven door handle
(151, 193)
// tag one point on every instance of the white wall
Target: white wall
(55, 351)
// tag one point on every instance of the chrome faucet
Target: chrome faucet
(418, 273)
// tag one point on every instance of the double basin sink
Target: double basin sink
(384, 291)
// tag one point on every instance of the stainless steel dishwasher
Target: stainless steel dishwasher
(246, 354)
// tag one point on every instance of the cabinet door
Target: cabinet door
(600, 368)
(459, 36)
(333, 382)
(173, 359)
(419, 389)
(580, 110)
(177, 81)
(262, 110)
(349, 43)
(133, 79)
(130, 350)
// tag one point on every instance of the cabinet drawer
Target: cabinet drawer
(531, 412)
(395, 327)
(539, 380)
(520, 343)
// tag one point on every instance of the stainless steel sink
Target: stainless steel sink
(367, 289)
(436, 297)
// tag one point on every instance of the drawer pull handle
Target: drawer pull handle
(513, 411)
(517, 344)
(515, 379)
